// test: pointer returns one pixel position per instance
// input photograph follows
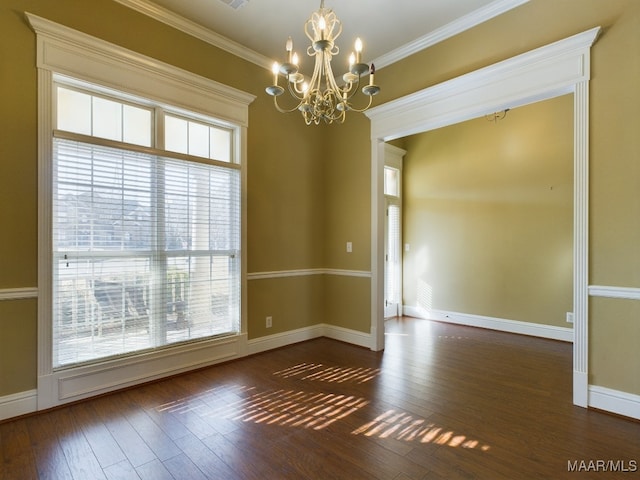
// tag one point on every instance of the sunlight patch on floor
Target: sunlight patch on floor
(323, 373)
(296, 408)
(287, 408)
(402, 426)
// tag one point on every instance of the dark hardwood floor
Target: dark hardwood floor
(441, 402)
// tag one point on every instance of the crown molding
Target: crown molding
(189, 27)
(494, 9)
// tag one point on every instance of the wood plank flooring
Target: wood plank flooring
(441, 402)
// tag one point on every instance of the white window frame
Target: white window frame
(67, 52)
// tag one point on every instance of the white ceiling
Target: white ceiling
(390, 29)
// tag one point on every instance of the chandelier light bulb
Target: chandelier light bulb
(275, 68)
(289, 47)
(322, 25)
(352, 60)
(358, 47)
(295, 60)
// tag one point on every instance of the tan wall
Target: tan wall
(343, 198)
(18, 358)
(347, 194)
(614, 232)
(488, 214)
(614, 331)
(285, 188)
(291, 302)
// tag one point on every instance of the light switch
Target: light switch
(349, 247)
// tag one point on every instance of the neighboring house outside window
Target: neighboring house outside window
(145, 247)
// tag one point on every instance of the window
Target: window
(391, 181)
(141, 266)
(145, 243)
(197, 138)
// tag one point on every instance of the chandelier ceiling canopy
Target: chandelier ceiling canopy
(322, 98)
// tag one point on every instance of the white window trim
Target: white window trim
(64, 51)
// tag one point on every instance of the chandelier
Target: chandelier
(321, 98)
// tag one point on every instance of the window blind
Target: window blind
(146, 251)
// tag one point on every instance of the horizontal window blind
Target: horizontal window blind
(146, 251)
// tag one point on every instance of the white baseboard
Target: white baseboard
(513, 326)
(277, 340)
(347, 335)
(262, 344)
(18, 404)
(581, 389)
(606, 399)
(614, 401)
(23, 403)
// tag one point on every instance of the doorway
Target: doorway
(393, 231)
(557, 69)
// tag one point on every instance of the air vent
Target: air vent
(235, 4)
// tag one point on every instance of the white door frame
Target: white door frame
(393, 158)
(557, 69)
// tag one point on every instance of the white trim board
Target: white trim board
(62, 51)
(17, 404)
(18, 293)
(615, 401)
(614, 292)
(560, 68)
(79, 386)
(501, 324)
(161, 14)
(189, 27)
(278, 340)
(307, 272)
(449, 30)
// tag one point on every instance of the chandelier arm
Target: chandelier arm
(360, 110)
(284, 110)
(294, 91)
(330, 79)
(353, 88)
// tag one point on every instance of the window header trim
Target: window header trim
(67, 51)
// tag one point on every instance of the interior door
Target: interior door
(393, 259)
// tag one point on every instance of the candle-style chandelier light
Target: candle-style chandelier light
(321, 98)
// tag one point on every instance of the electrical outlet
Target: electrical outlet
(349, 247)
(269, 322)
(569, 317)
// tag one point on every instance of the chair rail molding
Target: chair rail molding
(18, 293)
(614, 292)
(560, 68)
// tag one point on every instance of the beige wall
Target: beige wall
(285, 174)
(614, 231)
(488, 213)
(304, 203)
(347, 196)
